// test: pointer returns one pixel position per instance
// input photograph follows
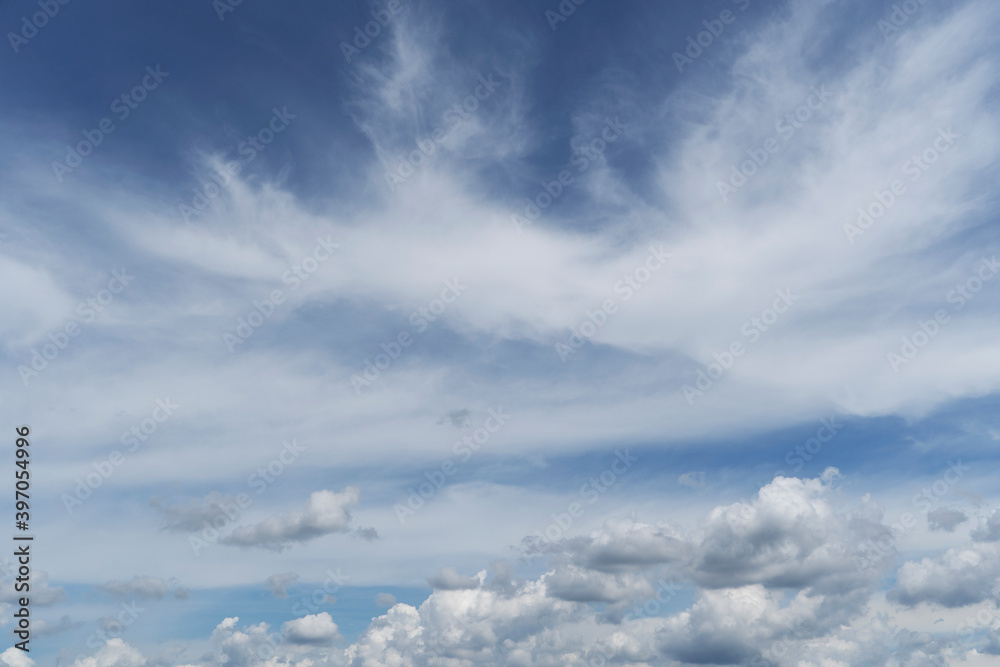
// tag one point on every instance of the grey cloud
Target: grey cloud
(991, 529)
(385, 599)
(945, 519)
(278, 583)
(457, 418)
(326, 512)
(450, 580)
(142, 587)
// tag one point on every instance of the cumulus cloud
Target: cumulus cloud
(249, 646)
(312, 629)
(766, 582)
(620, 546)
(326, 512)
(956, 578)
(115, 653)
(13, 657)
(577, 584)
(789, 535)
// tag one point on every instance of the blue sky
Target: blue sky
(506, 313)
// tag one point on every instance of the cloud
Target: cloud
(195, 515)
(385, 600)
(13, 657)
(42, 593)
(457, 418)
(790, 535)
(326, 512)
(991, 531)
(786, 555)
(814, 615)
(945, 519)
(693, 479)
(115, 653)
(959, 577)
(312, 629)
(448, 579)
(45, 628)
(242, 648)
(142, 587)
(278, 583)
(729, 626)
(621, 545)
(368, 534)
(576, 584)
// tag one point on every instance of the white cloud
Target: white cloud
(959, 577)
(13, 657)
(312, 629)
(115, 653)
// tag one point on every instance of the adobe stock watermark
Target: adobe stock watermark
(87, 310)
(321, 595)
(604, 651)
(592, 490)
(915, 167)
(223, 7)
(437, 477)
(807, 451)
(122, 106)
(704, 39)
(231, 512)
(752, 329)
(452, 118)
(294, 277)
(630, 283)
(115, 626)
(928, 329)
(254, 145)
(654, 606)
(420, 320)
(581, 159)
(372, 29)
(105, 468)
(786, 127)
(799, 627)
(38, 20)
(565, 8)
(899, 16)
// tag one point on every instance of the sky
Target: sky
(568, 333)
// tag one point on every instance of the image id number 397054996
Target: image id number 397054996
(22, 543)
